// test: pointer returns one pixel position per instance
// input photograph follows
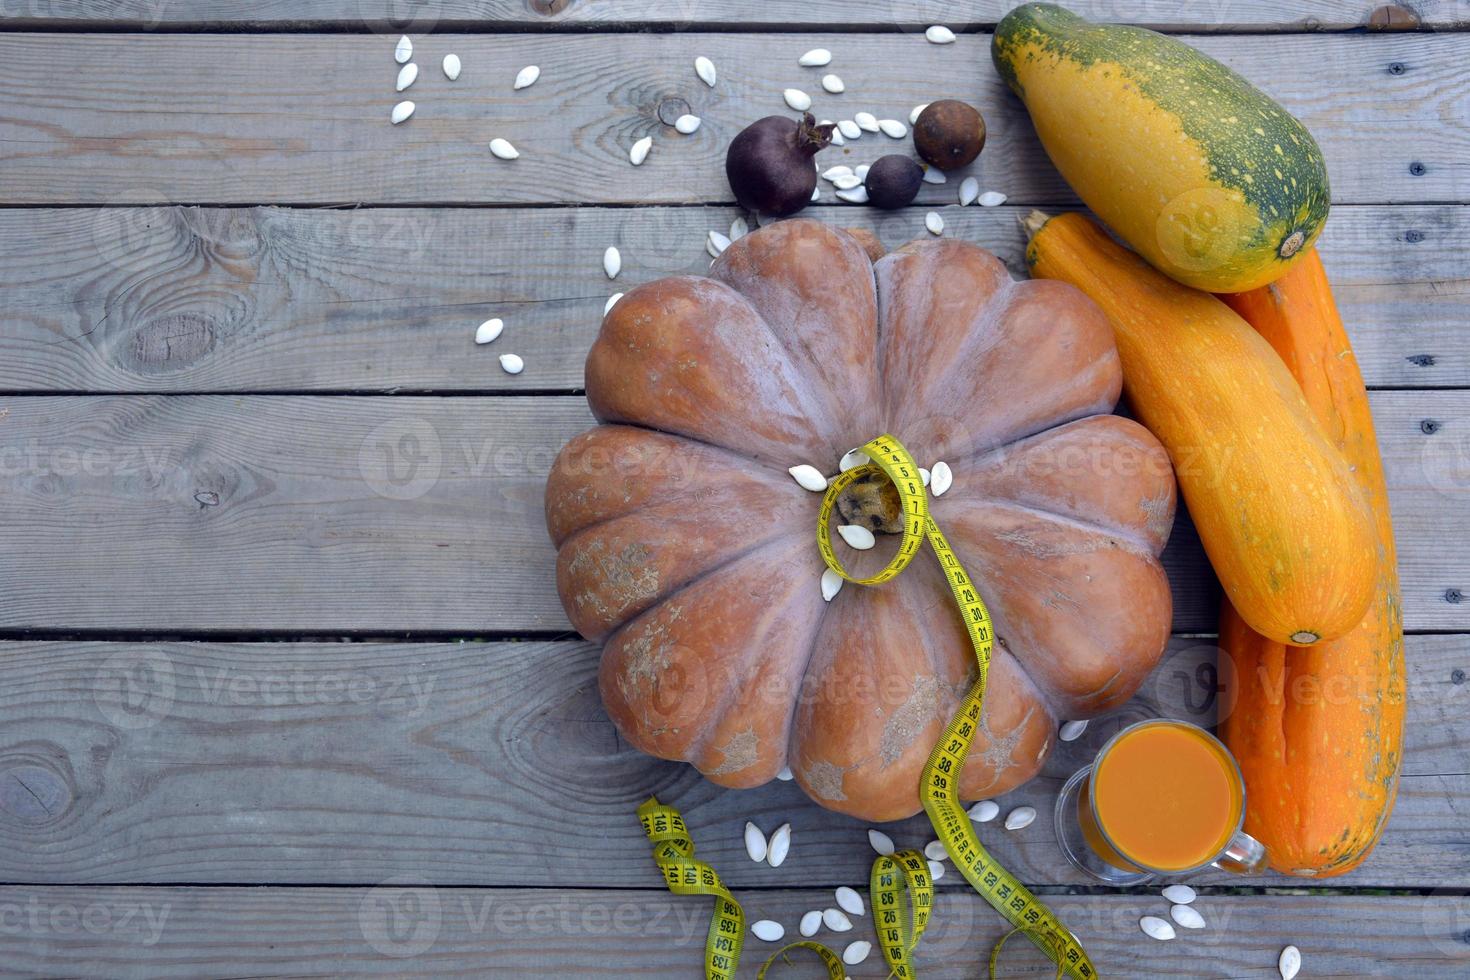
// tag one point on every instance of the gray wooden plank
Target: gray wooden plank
(417, 929)
(136, 118)
(495, 765)
(282, 299)
(372, 514)
(385, 15)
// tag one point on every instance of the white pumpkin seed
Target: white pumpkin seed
(835, 172)
(785, 775)
(504, 150)
(856, 952)
(984, 811)
(815, 58)
(833, 84)
(881, 842)
(755, 842)
(1020, 818)
(935, 851)
(838, 139)
(924, 475)
(489, 330)
(861, 171)
(807, 475)
(768, 930)
(933, 175)
(992, 199)
(407, 75)
(716, 243)
(810, 923)
(403, 50)
(1156, 928)
(451, 66)
(850, 901)
(866, 121)
(797, 99)
(512, 363)
(401, 112)
(893, 128)
(527, 77)
(639, 152)
(857, 536)
(836, 920)
(969, 191)
(852, 458)
(941, 479)
(1289, 963)
(611, 302)
(858, 195)
(831, 584)
(612, 262)
(846, 182)
(1186, 916)
(739, 228)
(780, 846)
(816, 193)
(936, 871)
(705, 69)
(1179, 894)
(687, 124)
(934, 223)
(917, 111)
(849, 129)
(1071, 730)
(939, 35)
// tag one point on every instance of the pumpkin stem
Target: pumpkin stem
(872, 502)
(1034, 222)
(810, 137)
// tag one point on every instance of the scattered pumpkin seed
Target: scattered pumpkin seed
(992, 199)
(924, 475)
(785, 775)
(1020, 818)
(816, 193)
(1179, 894)
(934, 223)
(857, 537)
(861, 170)
(611, 302)
(939, 34)
(836, 920)
(527, 76)
(969, 191)
(940, 479)
(739, 228)
(856, 952)
(916, 112)
(849, 129)
(780, 846)
(846, 182)
(850, 901)
(858, 195)
(852, 458)
(831, 584)
(1071, 730)
(451, 66)
(489, 330)
(810, 923)
(933, 175)
(1156, 928)
(866, 121)
(768, 930)
(1187, 916)
(808, 476)
(687, 123)
(504, 150)
(881, 842)
(936, 871)
(705, 69)
(815, 58)
(835, 172)
(639, 152)
(935, 850)
(838, 139)
(833, 84)
(797, 99)
(407, 75)
(1289, 963)
(893, 128)
(512, 363)
(755, 842)
(984, 811)
(715, 243)
(403, 50)
(612, 262)
(401, 112)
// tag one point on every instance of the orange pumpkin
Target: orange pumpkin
(688, 551)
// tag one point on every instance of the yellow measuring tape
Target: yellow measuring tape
(899, 925)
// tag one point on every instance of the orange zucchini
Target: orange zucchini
(1319, 731)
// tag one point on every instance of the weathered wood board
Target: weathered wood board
(494, 764)
(379, 514)
(231, 119)
(379, 299)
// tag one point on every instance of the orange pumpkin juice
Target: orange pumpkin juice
(1163, 797)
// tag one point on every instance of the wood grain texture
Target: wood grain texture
(772, 15)
(379, 299)
(124, 119)
(414, 929)
(374, 514)
(495, 765)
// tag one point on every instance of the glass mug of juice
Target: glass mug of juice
(1162, 798)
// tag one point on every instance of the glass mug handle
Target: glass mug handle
(1243, 856)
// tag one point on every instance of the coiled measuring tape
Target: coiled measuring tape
(899, 925)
